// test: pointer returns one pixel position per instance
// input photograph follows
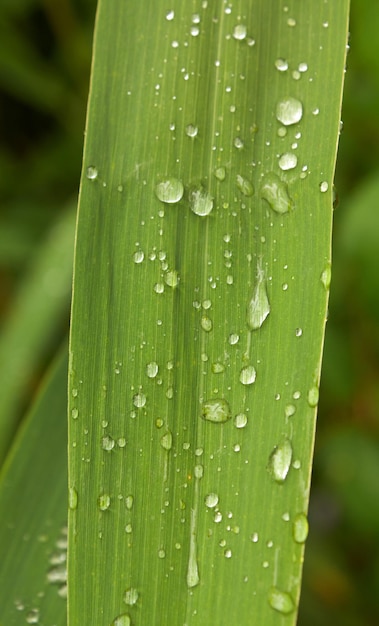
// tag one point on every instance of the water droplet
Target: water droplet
(312, 396)
(233, 339)
(303, 67)
(254, 537)
(326, 276)
(206, 323)
(91, 172)
(281, 65)
(172, 278)
(238, 143)
(107, 443)
(323, 186)
(138, 256)
(240, 420)
(280, 461)
(166, 441)
(259, 307)
(128, 529)
(72, 498)
(159, 287)
(139, 400)
(289, 410)
(244, 185)
(32, 617)
(170, 15)
(289, 111)
(228, 553)
(194, 31)
(131, 596)
(74, 413)
(122, 620)
(211, 500)
(191, 130)
(74, 393)
(298, 332)
(287, 161)
(240, 32)
(248, 375)
(198, 471)
(220, 173)
(300, 528)
(104, 501)
(152, 369)
(218, 368)
(276, 193)
(201, 202)
(291, 22)
(281, 601)
(217, 411)
(170, 190)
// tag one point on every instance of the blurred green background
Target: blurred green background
(45, 54)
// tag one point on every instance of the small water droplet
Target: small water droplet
(198, 471)
(300, 528)
(323, 186)
(91, 172)
(166, 441)
(281, 65)
(312, 396)
(248, 375)
(240, 32)
(280, 461)
(289, 410)
(211, 500)
(254, 537)
(170, 190)
(201, 202)
(275, 192)
(217, 411)
(258, 308)
(298, 332)
(191, 130)
(104, 501)
(217, 368)
(131, 596)
(122, 620)
(244, 185)
(287, 161)
(238, 143)
(107, 443)
(139, 400)
(32, 617)
(240, 420)
(281, 601)
(172, 278)
(72, 498)
(303, 67)
(128, 529)
(289, 111)
(228, 553)
(233, 339)
(220, 173)
(170, 15)
(326, 277)
(291, 22)
(74, 413)
(206, 323)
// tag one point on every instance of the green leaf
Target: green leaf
(33, 512)
(201, 281)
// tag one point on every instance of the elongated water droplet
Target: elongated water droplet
(244, 185)
(217, 411)
(281, 601)
(275, 192)
(326, 277)
(170, 190)
(248, 375)
(193, 577)
(300, 528)
(201, 202)
(72, 498)
(166, 441)
(312, 396)
(122, 620)
(289, 111)
(280, 461)
(131, 596)
(259, 307)
(324, 186)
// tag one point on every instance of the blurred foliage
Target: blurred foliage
(45, 51)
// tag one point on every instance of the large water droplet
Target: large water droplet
(107, 443)
(139, 400)
(240, 32)
(289, 111)
(244, 185)
(259, 307)
(217, 411)
(248, 375)
(201, 202)
(170, 190)
(275, 192)
(131, 596)
(281, 601)
(211, 500)
(280, 461)
(152, 369)
(172, 278)
(312, 396)
(287, 161)
(300, 528)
